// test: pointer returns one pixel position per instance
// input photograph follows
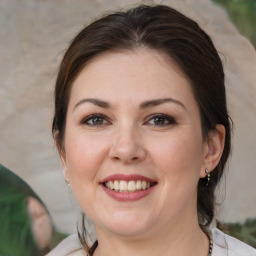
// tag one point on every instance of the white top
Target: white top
(223, 245)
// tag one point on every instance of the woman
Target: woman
(143, 132)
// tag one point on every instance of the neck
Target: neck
(183, 239)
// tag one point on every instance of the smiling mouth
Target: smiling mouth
(131, 186)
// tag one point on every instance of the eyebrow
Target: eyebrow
(97, 102)
(156, 102)
(143, 105)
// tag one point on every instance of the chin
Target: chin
(128, 224)
(128, 231)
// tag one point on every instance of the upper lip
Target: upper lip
(125, 177)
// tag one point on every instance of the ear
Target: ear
(64, 164)
(62, 155)
(213, 149)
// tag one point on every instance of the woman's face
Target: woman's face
(133, 143)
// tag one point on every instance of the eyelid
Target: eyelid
(84, 120)
(169, 118)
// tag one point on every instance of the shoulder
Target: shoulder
(70, 246)
(224, 245)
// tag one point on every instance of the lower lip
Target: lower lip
(130, 196)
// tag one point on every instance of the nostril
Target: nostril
(126, 159)
(127, 152)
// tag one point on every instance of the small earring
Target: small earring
(67, 183)
(208, 177)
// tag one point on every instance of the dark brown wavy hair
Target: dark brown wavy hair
(166, 30)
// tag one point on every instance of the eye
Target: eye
(161, 120)
(95, 120)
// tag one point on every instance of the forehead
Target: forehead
(132, 71)
(149, 58)
(133, 63)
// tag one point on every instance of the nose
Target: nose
(127, 147)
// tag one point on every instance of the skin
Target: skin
(129, 139)
(41, 223)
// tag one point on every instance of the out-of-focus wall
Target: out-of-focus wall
(33, 37)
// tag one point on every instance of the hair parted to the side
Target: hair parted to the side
(162, 29)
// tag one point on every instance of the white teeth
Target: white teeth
(131, 185)
(124, 186)
(111, 185)
(116, 185)
(138, 185)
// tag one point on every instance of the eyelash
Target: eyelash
(170, 120)
(86, 120)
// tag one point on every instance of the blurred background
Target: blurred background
(33, 37)
(243, 14)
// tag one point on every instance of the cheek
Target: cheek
(178, 162)
(179, 157)
(83, 157)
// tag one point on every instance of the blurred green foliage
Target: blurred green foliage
(16, 232)
(243, 15)
(245, 232)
